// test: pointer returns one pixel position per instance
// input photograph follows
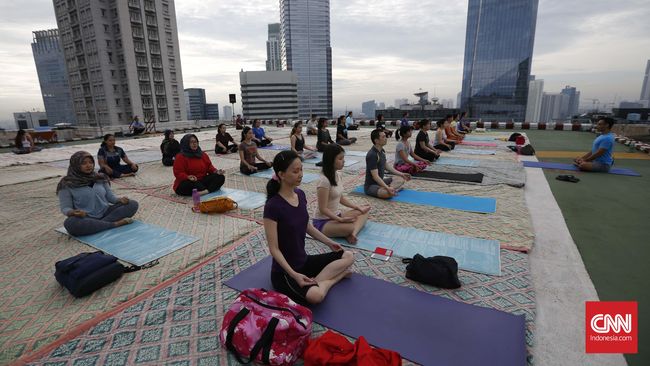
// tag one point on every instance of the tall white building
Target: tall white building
(273, 59)
(574, 100)
(269, 94)
(305, 49)
(123, 60)
(645, 88)
(534, 104)
(227, 113)
(554, 107)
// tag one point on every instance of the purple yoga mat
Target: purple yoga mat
(563, 166)
(423, 328)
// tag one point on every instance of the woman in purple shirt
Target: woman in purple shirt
(304, 278)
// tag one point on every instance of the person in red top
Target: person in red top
(194, 170)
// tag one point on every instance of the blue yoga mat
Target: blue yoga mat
(451, 201)
(245, 200)
(360, 154)
(137, 243)
(456, 162)
(268, 174)
(276, 147)
(563, 166)
(479, 138)
(472, 254)
(473, 151)
(423, 328)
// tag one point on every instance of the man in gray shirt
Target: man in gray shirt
(376, 185)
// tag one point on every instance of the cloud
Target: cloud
(381, 49)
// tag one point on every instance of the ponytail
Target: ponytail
(281, 163)
(402, 131)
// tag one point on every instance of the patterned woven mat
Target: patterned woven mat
(35, 310)
(179, 324)
(510, 225)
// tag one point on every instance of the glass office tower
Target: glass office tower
(498, 56)
(305, 49)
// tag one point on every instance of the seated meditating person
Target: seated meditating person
(375, 184)
(223, 141)
(599, 159)
(440, 137)
(323, 138)
(304, 278)
(381, 125)
(87, 200)
(328, 218)
(451, 132)
(423, 147)
(136, 127)
(342, 133)
(109, 157)
(169, 148)
(349, 122)
(260, 137)
(298, 142)
(24, 144)
(403, 151)
(248, 153)
(312, 125)
(194, 170)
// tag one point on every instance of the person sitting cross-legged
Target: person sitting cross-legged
(194, 170)
(375, 184)
(599, 159)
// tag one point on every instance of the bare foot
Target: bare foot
(348, 273)
(123, 222)
(352, 239)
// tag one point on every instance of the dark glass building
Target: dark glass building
(498, 56)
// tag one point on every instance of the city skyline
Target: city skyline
(218, 39)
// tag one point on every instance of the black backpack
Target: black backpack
(439, 271)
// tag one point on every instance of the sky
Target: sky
(381, 49)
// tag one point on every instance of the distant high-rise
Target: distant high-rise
(52, 76)
(645, 88)
(269, 94)
(227, 113)
(212, 111)
(122, 59)
(368, 108)
(195, 103)
(305, 49)
(534, 105)
(498, 55)
(273, 59)
(574, 100)
(554, 107)
(400, 102)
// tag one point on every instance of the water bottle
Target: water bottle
(196, 199)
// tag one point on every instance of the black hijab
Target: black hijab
(75, 177)
(187, 151)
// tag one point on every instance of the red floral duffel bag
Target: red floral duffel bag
(266, 327)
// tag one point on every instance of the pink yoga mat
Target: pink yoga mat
(475, 143)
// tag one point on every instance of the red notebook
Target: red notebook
(382, 254)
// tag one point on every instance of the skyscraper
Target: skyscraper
(273, 60)
(554, 107)
(574, 100)
(534, 105)
(269, 94)
(122, 59)
(498, 55)
(52, 76)
(645, 88)
(368, 108)
(227, 113)
(305, 49)
(195, 103)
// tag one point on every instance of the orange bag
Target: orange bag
(217, 205)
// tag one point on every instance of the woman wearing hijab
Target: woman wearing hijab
(86, 199)
(169, 148)
(194, 170)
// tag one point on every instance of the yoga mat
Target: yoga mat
(473, 151)
(479, 138)
(144, 156)
(456, 177)
(423, 328)
(472, 143)
(472, 254)
(137, 243)
(276, 147)
(456, 162)
(562, 166)
(451, 201)
(245, 200)
(360, 154)
(268, 174)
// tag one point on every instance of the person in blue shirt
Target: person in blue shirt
(85, 197)
(109, 157)
(404, 122)
(599, 159)
(260, 138)
(349, 122)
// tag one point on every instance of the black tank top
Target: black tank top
(300, 143)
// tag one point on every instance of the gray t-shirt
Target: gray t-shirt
(402, 147)
(374, 160)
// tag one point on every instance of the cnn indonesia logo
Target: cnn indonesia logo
(611, 327)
